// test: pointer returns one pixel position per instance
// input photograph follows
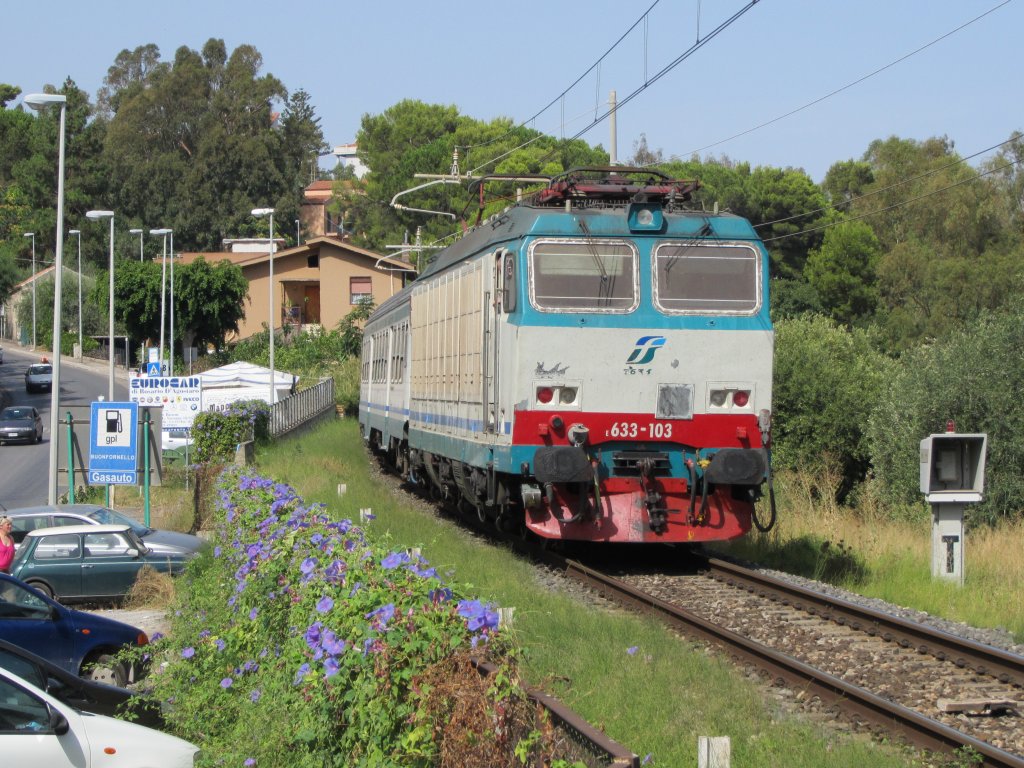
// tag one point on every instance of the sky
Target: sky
(758, 91)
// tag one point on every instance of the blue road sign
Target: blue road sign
(153, 368)
(113, 444)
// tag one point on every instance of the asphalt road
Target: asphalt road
(23, 468)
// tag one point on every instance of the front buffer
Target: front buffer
(621, 494)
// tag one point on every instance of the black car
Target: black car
(22, 424)
(80, 693)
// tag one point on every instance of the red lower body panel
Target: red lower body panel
(621, 515)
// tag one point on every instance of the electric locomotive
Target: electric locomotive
(593, 363)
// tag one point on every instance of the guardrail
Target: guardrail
(302, 407)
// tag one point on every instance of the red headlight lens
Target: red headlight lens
(740, 398)
(544, 394)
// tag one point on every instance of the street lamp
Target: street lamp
(81, 341)
(170, 365)
(298, 233)
(260, 212)
(138, 232)
(96, 216)
(40, 101)
(163, 289)
(33, 236)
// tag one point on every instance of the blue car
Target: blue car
(81, 643)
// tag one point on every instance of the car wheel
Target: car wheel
(104, 668)
(41, 587)
(39, 437)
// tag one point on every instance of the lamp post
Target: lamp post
(96, 216)
(298, 233)
(81, 341)
(138, 232)
(260, 212)
(170, 364)
(163, 289)
(41, 101)
(33, 236)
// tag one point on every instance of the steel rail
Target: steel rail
(985, 660)
(918, 729)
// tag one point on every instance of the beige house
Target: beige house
(316, 284)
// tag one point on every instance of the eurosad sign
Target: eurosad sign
(113, 444)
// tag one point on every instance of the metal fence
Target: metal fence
(295, 410)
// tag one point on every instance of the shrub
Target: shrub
(827, 380)
(972, 378)
(295, 636)
(216, 434)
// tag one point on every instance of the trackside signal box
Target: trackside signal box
(952, 475)
(953, 467)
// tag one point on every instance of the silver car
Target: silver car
(50, 516)
(39, 378)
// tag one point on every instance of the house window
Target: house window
(313, 261)
(360, 289)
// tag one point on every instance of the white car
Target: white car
(37, 729)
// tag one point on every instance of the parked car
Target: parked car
(38, 729)
(88, 563)
(87, 695)
(82, 643)
(27, 519)
(1, 354)
(20, 423)
(39, 377)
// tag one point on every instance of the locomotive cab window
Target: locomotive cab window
(714, 279)
(583, 275)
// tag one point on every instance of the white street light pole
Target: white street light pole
(270, 212)
(40, 101)
(33, 236)
(138, 232)
(170, 367)
(163, 290)
(95, 216)
(298, 233)
(81, 341)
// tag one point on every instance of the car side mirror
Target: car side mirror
(58, 723)
(132, 552)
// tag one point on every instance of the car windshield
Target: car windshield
(36, 370)
(15, 414)
(105, 516)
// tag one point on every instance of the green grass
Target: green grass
(656, 701)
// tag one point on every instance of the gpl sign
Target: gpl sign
(113, 448)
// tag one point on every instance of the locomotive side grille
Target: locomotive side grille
(628, 462)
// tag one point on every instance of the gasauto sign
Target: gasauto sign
(179, 396)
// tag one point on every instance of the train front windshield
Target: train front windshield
(573, 276)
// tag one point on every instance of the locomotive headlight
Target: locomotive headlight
(544, 395)
(645, 217)
(718, 397)
(567, 395)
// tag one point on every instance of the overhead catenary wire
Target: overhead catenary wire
(839, 90)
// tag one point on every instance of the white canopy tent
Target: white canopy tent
(243, 381)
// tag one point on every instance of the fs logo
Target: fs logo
(645, 348)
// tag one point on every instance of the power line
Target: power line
(874, 192)
(840, 89)
(894, 205)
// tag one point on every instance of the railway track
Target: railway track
(940, 692)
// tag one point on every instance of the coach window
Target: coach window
(583, 275)
(719, 279)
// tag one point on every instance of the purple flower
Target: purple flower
(253, 613)
(220, 644)
(249, 761)
(255, 695)
(313, 635)
(331, 667)
(301, 674)
(632, 649)
(226, 682)
(394, 560)
(308, 565)
(188, 653)
(333, 644)
(324, 604)
(648, 759)
(383, 614)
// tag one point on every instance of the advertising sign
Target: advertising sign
(179, 396)
(113, 450)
